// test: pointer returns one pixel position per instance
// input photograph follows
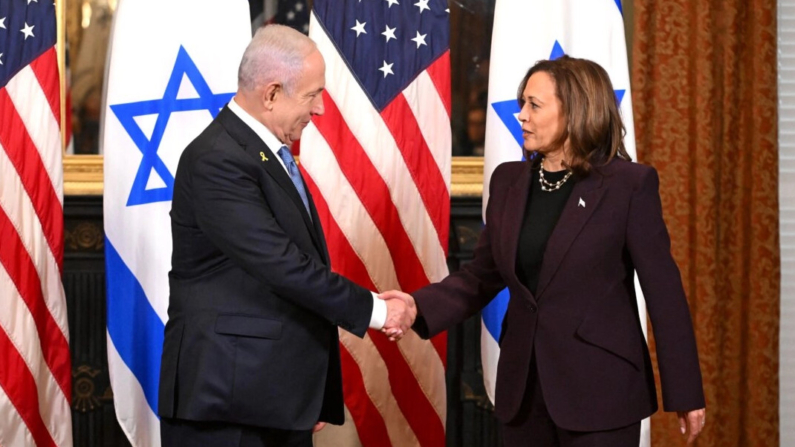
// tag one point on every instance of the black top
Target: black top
(540, 216)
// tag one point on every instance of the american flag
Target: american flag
(35, 369)
(378, 166)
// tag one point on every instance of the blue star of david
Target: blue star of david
(507, 110)
(164, 107)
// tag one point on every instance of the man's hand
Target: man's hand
(401, 313)
(692, 422)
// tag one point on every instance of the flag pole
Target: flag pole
(60, 48)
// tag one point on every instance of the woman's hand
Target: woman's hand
(692, 422)
(319, 426)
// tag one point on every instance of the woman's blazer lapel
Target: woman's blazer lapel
(579, 207)
(513, 216)
(583, 201)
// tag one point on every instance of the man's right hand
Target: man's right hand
(401, 313)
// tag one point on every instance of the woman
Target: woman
(565, 231)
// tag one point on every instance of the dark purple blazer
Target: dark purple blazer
(593, 362)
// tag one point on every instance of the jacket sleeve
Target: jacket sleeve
(650, 249)
(466, 291)
(232, 210)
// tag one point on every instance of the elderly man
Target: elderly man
(251, 354)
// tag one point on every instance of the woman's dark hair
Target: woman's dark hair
(594, 127)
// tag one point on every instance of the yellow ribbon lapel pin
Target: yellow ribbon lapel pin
(264, 158)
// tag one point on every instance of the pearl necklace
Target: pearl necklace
(548, 186)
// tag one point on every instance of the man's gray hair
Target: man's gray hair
(276, 53)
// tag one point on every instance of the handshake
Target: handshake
(401, 311)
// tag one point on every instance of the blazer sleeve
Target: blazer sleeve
(233, 212)
(465, 292)
(650, 249)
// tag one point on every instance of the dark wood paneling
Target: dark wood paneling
(93, 415)
(470, 415)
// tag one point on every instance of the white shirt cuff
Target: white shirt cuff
(378, 319)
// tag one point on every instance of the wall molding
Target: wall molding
(83, 176)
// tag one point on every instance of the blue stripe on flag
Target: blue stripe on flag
(494, 313)
(133, 324)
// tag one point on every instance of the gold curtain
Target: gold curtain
(704, 81)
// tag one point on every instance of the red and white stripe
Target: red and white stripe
(35, 368)
(381, 183)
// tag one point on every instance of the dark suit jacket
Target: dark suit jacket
(254, 309)
(593, 363)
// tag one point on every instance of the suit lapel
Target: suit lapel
(513, 216)
(318, 229)
(579, 207)
(253, 145)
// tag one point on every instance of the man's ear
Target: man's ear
(270, 93)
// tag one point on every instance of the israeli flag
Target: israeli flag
(172, 66)
(526, 31)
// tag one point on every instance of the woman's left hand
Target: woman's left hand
(319, 426)
(692, 422)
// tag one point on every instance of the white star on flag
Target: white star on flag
(3, 23)
(33, 1)
(423, 5)
(1, 58)
(359, 28)
(420, 39)
(389, 33)
(387, 69)
(392, 2)
(27, 30)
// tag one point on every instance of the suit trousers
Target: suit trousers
(534, 427)
(182, 433)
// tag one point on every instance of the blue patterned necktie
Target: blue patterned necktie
(295, 175)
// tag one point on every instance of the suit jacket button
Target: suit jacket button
(533, 308)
